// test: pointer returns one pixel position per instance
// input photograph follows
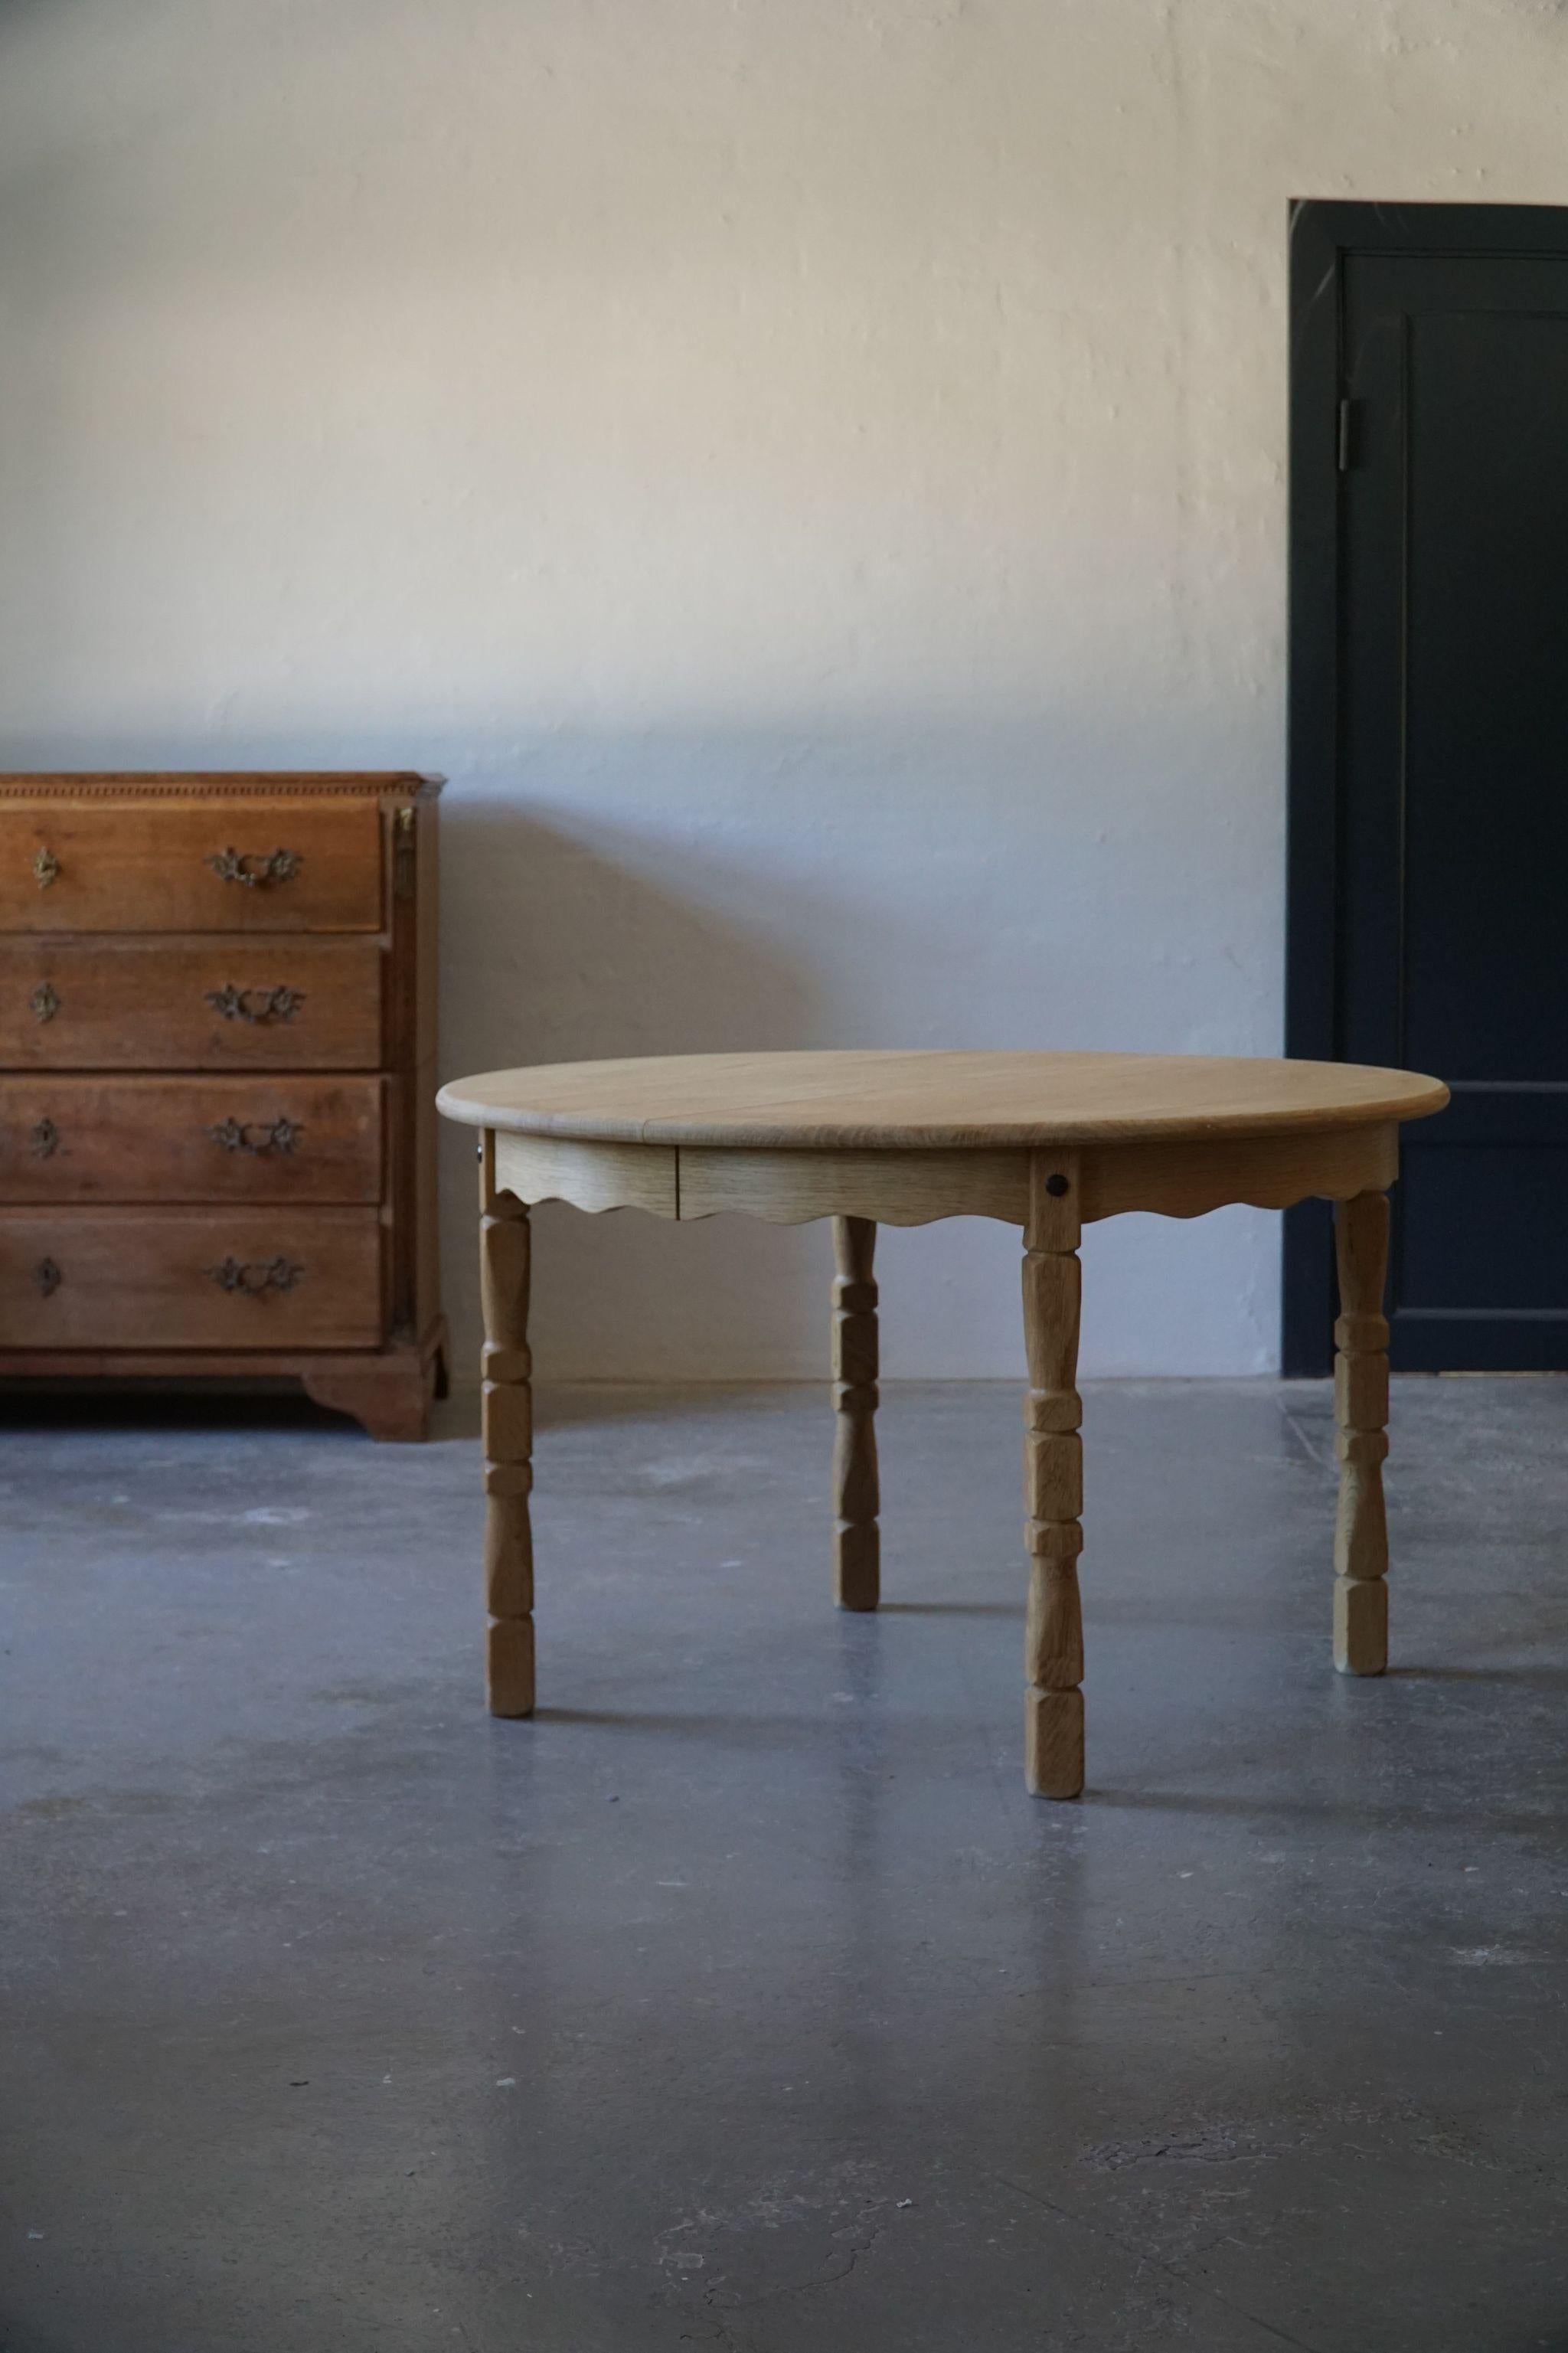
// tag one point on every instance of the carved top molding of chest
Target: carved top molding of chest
(216, 1064)
(208, 784)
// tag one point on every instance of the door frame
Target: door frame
(1324, 234)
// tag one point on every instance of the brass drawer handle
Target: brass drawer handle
(45, 1003)
(258, 1135)
(48, 1277)
(46, 866)
(255, 1277)
(253, 870)
(46, 1140)
(248, 1003)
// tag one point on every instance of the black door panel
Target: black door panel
(1445, 784)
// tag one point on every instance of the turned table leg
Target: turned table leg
(1053, 1482)
(507, 1424)
(856, 1542)
(1361, 1409)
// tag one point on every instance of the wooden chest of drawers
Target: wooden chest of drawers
(216, 1083)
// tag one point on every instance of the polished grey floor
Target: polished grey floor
(744, 1999)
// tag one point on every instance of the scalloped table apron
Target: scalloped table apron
(1045, 1142)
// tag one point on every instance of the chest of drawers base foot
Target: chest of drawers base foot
(389, 1394)
(388, 1391)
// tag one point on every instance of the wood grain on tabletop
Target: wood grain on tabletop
(942, 1099)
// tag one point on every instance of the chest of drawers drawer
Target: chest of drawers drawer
(285, 1003)
(216, 1083)
(299, 1138)
(229, 1279)
(289, 864)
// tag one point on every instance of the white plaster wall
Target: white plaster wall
(813, 477)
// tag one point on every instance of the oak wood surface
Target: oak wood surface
(1050, 1141)
(1053, 1481)
(902, 1188)
(593, 1177)
(890, 1189)
(154, 865)
(1189, 1177)
(1360, 1412)
(857, 1544)
(939, 1100)
(124, 1003)
(105, 1278)
(299, 1138)
(507, 1422)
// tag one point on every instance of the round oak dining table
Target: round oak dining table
(1046, 1142)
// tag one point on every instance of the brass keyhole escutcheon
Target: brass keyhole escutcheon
(46, 867)
(45, 1001)
(48, 1277)
(46, 1140)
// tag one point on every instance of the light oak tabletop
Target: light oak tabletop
(917, 1099)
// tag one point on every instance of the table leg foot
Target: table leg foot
(1361, 1411)
(509, 1666)
(1361, 1626)
(1053, 1482)
(507, 1407)
(1053, 1742)
(857, 1543)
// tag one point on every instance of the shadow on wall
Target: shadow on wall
(725, 905)
(560, 948)
(1004, 884)
(564, 947)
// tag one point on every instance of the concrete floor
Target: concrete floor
(744, 1999)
